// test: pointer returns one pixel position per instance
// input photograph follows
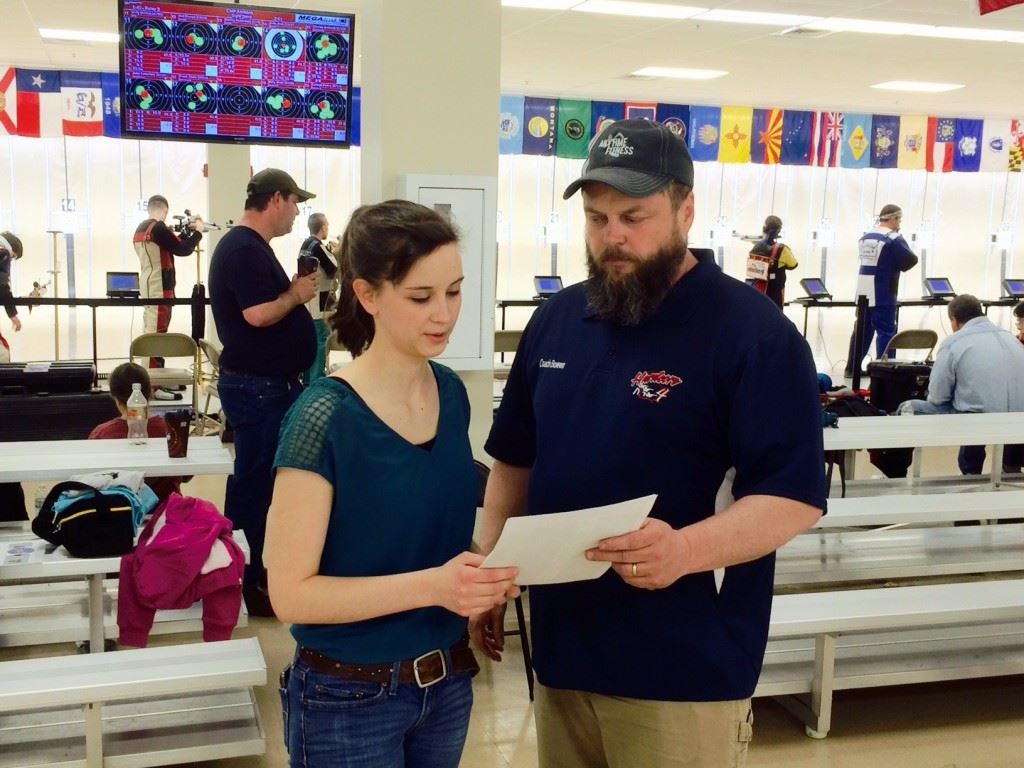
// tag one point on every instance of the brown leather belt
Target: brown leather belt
(426, 670)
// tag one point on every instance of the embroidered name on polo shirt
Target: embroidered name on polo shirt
(653, 387)
(551, 364)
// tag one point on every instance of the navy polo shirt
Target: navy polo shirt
(244, 272)
(716, 378)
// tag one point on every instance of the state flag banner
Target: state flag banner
(604, 112)
(734, 142)
(110, 88)
(913, 142)
(967, 146)
(639, 110)
(830, 139)
(766, 136)
(1016, 145)
(705, 123)
(856, 141)
(510, 125)
(996, 138)
(799, 130)
(82, 101)
(676, 117)
(540, 120)
(39, 103)
(988, 6)
(941, 135)
(885, 138)
(356, 134)
(573, 128)
(8, 102)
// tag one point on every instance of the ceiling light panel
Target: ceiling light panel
(647, 10)
(757, 17)
(916, 86)
(680, 73)
(79, 36)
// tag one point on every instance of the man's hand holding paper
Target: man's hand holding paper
(551, 549)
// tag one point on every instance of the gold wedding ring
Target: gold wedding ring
(634, 570)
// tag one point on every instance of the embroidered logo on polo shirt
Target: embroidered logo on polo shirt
(653, 387)
(551, 364)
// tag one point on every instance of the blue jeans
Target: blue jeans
(255, 407)
(880, 323)
(330, 722)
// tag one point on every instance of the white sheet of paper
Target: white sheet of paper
(549, 549)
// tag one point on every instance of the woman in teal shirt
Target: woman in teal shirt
(373, 509)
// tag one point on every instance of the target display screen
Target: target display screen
(204, 72)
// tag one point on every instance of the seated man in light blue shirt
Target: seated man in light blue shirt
(979, 369)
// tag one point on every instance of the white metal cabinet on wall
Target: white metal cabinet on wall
(470, 202)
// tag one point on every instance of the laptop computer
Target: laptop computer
(939, 288)
(815, 288)
(123, 285)
(546, 285)
(1014, 287)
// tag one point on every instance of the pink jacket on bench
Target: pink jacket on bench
(165, 572)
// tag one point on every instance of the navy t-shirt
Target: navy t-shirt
(716, 378)
(397, 507)
(245, 272)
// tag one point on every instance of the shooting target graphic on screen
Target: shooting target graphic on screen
(148, 95)
(283, 44)
(327, 47)
(240, 41)
(326, 106)
(193, 38)
(195, 97)
(240, 100)
(146, 35)
(206, 71)
(283, 102)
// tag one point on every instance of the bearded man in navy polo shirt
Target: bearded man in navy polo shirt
(659, 374)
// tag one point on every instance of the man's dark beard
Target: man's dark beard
(631, 298)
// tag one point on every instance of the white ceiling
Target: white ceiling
(570, 54)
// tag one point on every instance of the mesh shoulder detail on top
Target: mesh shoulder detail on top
(307, 427)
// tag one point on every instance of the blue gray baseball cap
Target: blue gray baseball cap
(636, 157)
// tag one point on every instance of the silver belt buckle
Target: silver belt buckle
(416, 668)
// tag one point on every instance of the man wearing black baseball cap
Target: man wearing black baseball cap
(268, 338)
(656, 376)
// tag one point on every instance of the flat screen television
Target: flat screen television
(231, 73)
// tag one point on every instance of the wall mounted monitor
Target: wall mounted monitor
(231, 73)
(815, 288)
(939, 287)
(1014, 287)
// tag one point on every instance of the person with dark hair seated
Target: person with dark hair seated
(121, 380)
(979, 369)
(1018, 320)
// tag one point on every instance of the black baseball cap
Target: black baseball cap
(636, 157)
(275, 180)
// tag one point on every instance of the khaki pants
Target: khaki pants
(586, 730)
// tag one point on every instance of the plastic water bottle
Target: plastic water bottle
(137, 416)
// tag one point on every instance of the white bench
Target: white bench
(820, 642)
(134, 708)
(922, 509)
(57, 612)
(832, 557)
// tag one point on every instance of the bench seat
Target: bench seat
(922, 509)
(143, 707)
(832, 557)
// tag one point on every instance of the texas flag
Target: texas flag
(81, 96)
(39, 107)
(8, 102)
(941, 140)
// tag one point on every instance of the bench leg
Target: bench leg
(94, 733)
(823, 686)
(916, 459)
(96, 617)
(997, 466)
